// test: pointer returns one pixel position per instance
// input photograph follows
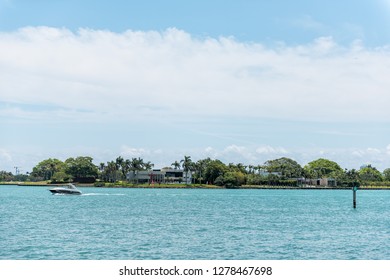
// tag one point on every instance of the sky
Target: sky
(241, 81)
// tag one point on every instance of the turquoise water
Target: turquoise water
(193, 224)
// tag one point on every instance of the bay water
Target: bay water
(217, 224)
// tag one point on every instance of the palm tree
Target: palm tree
(242, 168)
(232, 166)
(200, 166)
(111, 171)
(118, 163)
(52, 169)
(260, 168)
(187, 165)
(176, 165)
(148, 165)
(136, 164)
(125, 167)
(102, 166)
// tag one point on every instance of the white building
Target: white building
(165, 175)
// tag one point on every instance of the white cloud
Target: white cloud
(373, 151)
(368, 152)
(170, 80)
(268, 150)
(155, 155)
(358, 153)
(101, 75)
(234, 153)
(235, 149)
(350, 157)
(131, 152)
(210, 152)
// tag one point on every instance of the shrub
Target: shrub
(60, 177)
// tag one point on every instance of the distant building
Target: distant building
(146, 176)
(322, 182)
(165, 175)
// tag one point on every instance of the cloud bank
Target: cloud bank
(100, 75)
(90, 83)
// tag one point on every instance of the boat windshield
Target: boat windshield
(71, 186)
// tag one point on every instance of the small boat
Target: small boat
(68, 189)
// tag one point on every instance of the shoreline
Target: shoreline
(197, 186)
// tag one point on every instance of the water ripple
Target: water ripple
(193, 224)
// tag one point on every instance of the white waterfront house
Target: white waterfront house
(164, 175)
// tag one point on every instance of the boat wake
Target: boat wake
(104, 194)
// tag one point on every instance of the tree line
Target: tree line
(281, 171)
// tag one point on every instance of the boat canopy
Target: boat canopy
(71, 186)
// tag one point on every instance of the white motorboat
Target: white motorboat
(68, 189)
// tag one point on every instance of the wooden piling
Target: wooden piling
(354, 189)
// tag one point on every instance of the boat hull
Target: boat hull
(70, 189)
(64, 192)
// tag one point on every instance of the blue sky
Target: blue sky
(241, 81)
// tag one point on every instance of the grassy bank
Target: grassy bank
(312, 187)
(154, 186)
(37, 184)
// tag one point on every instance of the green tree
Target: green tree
(45, 169)
(148, 165)
(21, 177)
(136, 164)
(239, 167)
(81, 169)
(176, 165)
(6, 176)
(200, 169)
(101, 168)
(110, 172)
(386, 174)
(125, 168)
(321, 168)
(187, 165)
(287, 167)
(102, 165)
(60, 177)
(214, 169)
(349, 178)
(370, 174)
(119, 164)
(251, 169)
(230, 179)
